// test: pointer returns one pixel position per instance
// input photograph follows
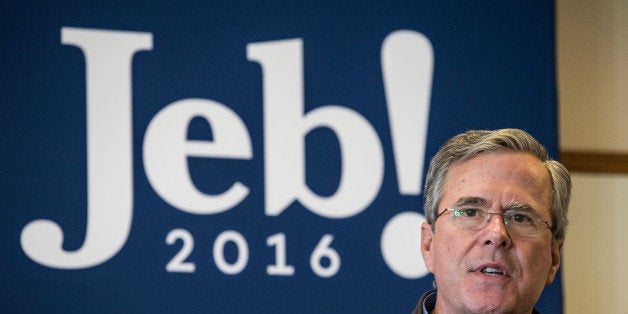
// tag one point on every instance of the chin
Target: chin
(487, 303)
(493, 307)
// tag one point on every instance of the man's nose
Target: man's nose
(496, 232)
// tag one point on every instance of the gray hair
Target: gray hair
(467, 145)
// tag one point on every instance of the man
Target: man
(496, 210)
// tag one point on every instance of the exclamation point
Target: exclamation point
(407, 68)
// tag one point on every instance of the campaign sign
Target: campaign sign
(246, 157)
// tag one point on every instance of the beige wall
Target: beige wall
(593, 73)
(592, 50)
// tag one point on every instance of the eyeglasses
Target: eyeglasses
(522, 223)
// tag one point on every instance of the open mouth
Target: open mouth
(492, 271)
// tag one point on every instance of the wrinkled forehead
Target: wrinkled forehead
(508, 178)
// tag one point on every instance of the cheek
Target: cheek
(447, 252)
(536, 261)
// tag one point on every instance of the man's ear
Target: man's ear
(556, 249)
(426, 244)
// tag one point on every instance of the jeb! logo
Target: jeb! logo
(407, 65)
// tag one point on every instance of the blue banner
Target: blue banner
(239, 157)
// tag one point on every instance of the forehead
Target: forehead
(503, 178)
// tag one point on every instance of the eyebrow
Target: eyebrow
(523, 207)
(471, 200)
(479, 201)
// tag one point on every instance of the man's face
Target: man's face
(459, 258)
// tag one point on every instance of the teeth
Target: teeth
(492, 271)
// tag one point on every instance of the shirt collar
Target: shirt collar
(429, 302)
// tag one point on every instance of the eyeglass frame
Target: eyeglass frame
(488, 216)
